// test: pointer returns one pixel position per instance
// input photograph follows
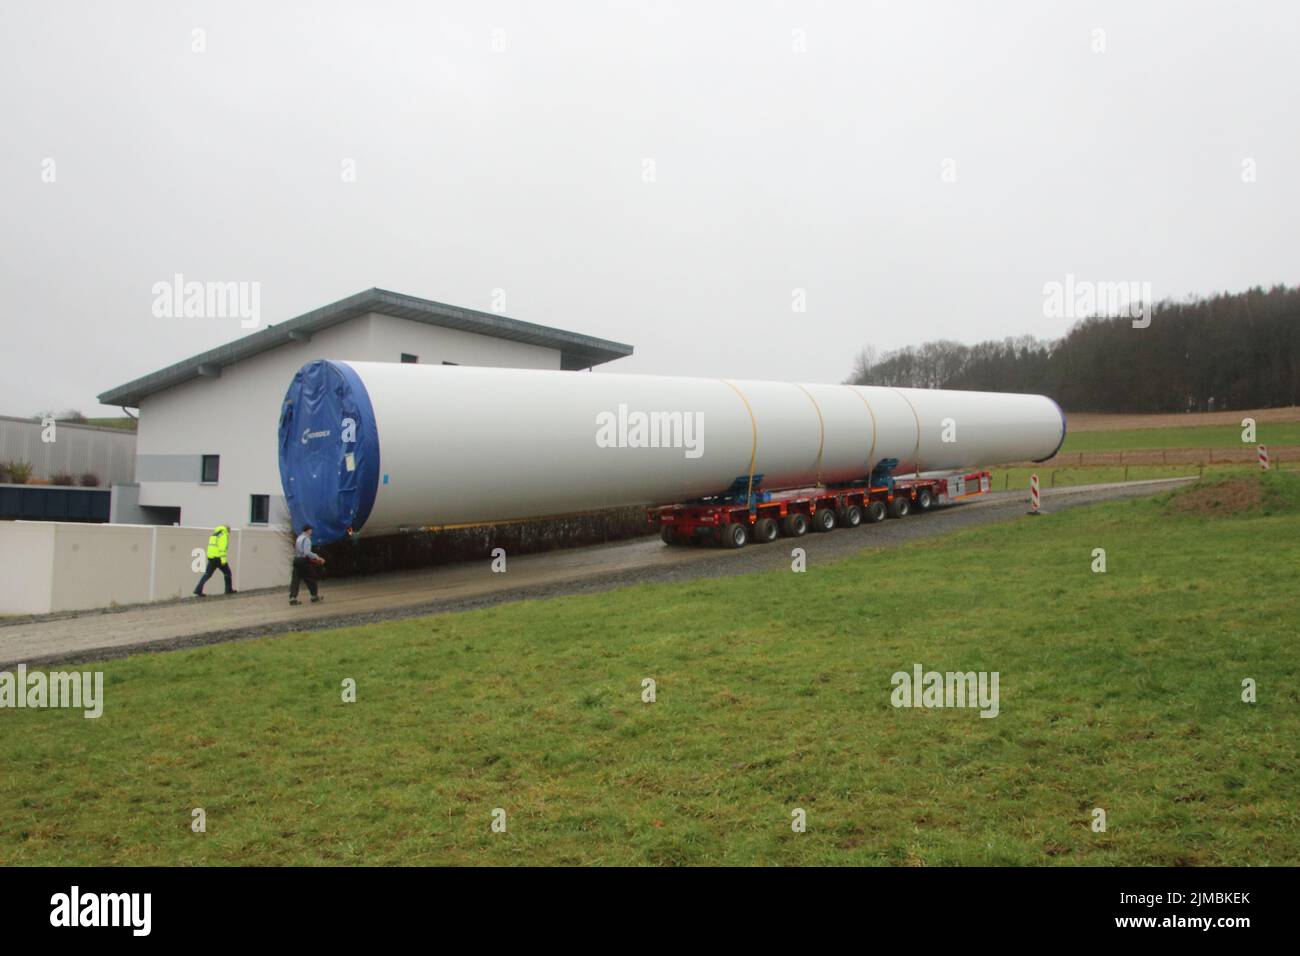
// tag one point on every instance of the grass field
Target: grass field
(1124, 421)
(1202, 436)
(1119, 691)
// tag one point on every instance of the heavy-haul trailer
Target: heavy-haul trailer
(735, 519)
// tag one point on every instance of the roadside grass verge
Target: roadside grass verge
(1120, 691)
(1064, 476)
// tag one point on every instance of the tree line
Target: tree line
(1230, 351)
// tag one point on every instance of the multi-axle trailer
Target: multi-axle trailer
(735, 519)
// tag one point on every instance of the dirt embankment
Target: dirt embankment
(1220, 500)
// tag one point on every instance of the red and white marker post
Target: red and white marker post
(1035, 498)
(1263, 458)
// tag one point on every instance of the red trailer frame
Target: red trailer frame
(794, 512)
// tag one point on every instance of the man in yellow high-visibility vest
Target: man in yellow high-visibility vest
(218, 546)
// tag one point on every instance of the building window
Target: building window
(211, 469)
(259, 511)
(409, 359)
(445, 362)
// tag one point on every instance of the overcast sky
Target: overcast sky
(667, 175)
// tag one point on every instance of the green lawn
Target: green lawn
(1118, 690)
(1199, 436)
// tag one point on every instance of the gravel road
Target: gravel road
(101, 635)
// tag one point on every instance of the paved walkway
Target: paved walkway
(95, 635)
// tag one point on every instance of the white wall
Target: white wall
(64, 566)
(237, 415)
(391, 336)
(26, 566)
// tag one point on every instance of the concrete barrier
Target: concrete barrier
(50, 566)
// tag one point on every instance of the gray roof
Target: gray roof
(577, 351)
(85, 426)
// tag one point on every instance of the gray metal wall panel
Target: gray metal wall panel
(107, 452)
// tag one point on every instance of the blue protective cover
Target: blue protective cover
(327, 417)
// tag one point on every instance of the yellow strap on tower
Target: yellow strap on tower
(871, 453)
(916, 455)
(821, 438)
(753, 450)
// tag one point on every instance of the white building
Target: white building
(206, 448)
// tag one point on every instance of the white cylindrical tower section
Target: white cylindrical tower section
(385, 446)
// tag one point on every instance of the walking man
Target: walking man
(305, 561)
(218, 546)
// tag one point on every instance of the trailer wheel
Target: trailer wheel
(795, 525)
(765, 531)
(875, 512)
(924, 500)
(823, 520)
(735, 535)
(900, 507)
(850, 517)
